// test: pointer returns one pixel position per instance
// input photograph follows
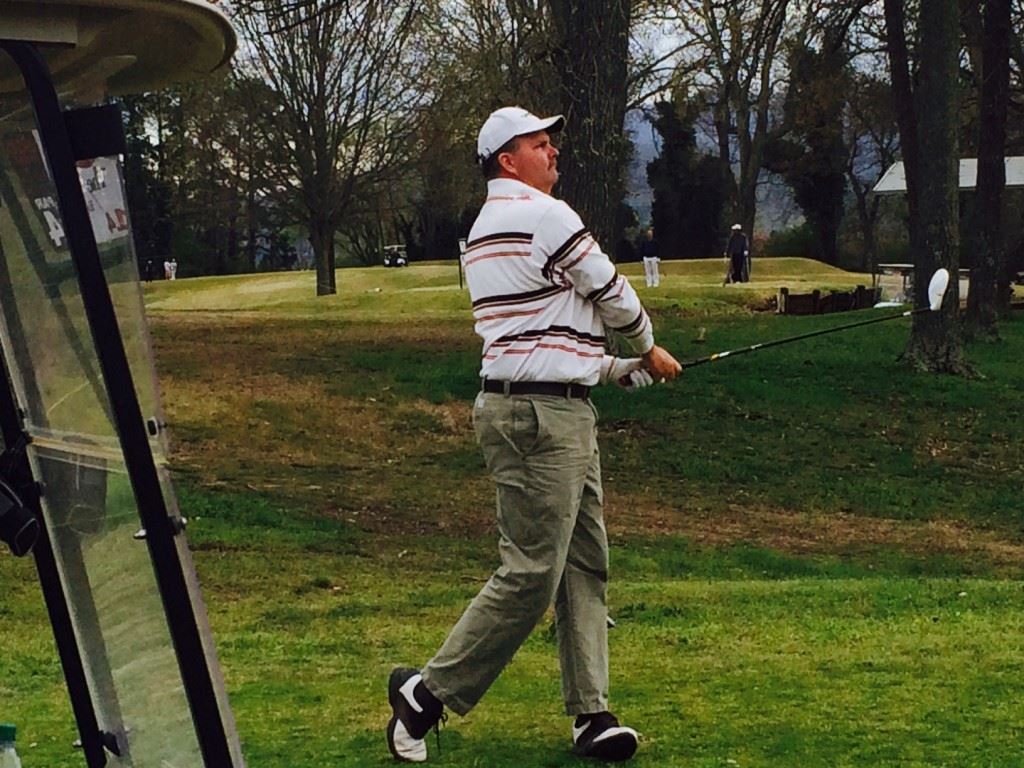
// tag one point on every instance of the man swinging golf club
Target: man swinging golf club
(543, 295)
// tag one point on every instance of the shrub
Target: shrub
(795, 241)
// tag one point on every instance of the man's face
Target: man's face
(534, 161)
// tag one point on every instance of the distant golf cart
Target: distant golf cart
(394, 256)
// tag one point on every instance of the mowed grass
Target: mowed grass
(431, 290)
(740, 663)
(816, 554)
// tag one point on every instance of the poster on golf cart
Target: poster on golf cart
(102, 187)
(104, 197)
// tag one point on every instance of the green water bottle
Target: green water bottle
(8, 754)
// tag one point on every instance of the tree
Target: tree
(810, 151)
(812, 137)
(343, 89)
(989, 268)
(149, 193)
(494, 53)
(209, 155)
(576, 58)
(689, 196)
(591, 56)
(489, 54)
(191, 172)
(928, 122)
(737, 43)
(872, 139)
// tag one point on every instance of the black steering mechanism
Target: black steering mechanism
(19, 528)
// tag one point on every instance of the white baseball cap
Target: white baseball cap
(508, 122)
(736, 226)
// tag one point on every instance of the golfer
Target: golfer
(737, 253)
(543, 295)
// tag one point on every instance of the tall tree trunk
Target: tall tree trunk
(232, 244)
(928, 123)
(983, 298)
(321, 237)
(903, 96)
(591, 53)
(867, 215)
(935, 341)
(752, 145)
(250, 199)
(828, 237)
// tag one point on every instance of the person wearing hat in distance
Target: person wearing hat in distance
(543, 294)
(737, 253)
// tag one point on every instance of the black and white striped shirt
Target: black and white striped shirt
(543, 292)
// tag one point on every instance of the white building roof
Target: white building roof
(894, 180)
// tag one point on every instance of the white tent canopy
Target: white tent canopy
(894, 180)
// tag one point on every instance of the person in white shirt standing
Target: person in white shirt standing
(649, 253)
(543, 296)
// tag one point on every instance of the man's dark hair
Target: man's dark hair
(490, 167)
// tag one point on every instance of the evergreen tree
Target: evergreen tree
(812, 156)
(149, 193)
(689, 192)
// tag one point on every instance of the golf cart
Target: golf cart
(84, 480)
(394, 256)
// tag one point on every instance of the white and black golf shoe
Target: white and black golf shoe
(602, 738)
(413, 713)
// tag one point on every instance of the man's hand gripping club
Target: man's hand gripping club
(632, 373)
(661, 365)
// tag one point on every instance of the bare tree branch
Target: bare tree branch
(340, 102)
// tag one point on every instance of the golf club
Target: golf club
(936, 291)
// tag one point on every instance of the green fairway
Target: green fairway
(816, 553)
(432, 290)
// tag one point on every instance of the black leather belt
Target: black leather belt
(556, 388)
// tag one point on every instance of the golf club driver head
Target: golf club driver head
(937, 289)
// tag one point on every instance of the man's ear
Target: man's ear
(507, 163)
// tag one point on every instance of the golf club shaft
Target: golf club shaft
(777, 342)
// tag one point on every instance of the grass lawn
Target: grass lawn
(816, 554)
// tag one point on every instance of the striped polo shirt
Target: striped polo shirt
(543, 292)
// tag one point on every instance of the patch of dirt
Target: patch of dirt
(814, 533)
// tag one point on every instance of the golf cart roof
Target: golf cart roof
(894, 180)
(125, 46)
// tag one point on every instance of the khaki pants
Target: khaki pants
(542, 452)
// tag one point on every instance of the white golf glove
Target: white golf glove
(628, 373)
